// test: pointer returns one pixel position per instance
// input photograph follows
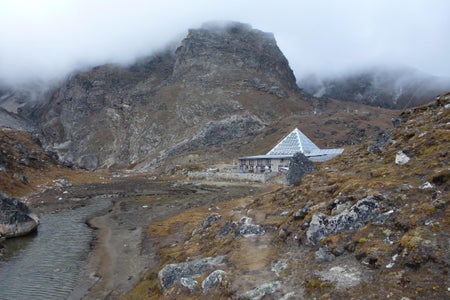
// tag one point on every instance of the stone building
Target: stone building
(277, 159)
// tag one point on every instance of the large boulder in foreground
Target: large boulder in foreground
(299, 166)
(16, 219)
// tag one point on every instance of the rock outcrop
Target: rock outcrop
(299, 166)
(88, 162)
(245, 228)
(16, 219)
(261, 291)
(187, 271)
(239, 49)
(356, 217)
(214, 279)
(382, 140)
(22, 159)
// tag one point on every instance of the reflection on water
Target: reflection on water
(47, 265)
(15, 245)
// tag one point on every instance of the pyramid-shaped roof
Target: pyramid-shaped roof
(294, 142)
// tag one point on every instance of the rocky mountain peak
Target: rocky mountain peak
(224, 84)
(221, 83)
(219, 51)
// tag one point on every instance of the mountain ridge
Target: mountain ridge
(222, 83)
(388, 86)
(216, 96)
(166, 95)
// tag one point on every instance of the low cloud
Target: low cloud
(47, 39)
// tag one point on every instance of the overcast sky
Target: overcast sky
(49, 38)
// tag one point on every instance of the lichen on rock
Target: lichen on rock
(215, 278)
(261, 291)
(351, 219)
(173, 273)
(245, 228)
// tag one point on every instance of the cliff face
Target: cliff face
(234, 53)
(223, 82)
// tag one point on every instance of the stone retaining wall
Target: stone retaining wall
(217, 176)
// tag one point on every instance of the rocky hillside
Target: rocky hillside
(21, 157)
(26, 167)
(12, 99)
(13, 121)
(224, 88)
(389, 87)
(372, 223)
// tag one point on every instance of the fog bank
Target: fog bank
(47, 39)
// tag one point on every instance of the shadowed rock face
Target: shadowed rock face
(221, 83)
(16, 218)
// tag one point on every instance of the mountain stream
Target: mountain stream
(48, 264)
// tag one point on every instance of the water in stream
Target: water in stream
(48, 264)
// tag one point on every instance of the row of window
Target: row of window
(259, 162)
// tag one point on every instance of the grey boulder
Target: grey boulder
(16, 219)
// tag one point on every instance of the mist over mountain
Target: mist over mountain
(385, 86)
(224, 83)
(48, 40)
(14, 97)
(13, 121)
(370, 223)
